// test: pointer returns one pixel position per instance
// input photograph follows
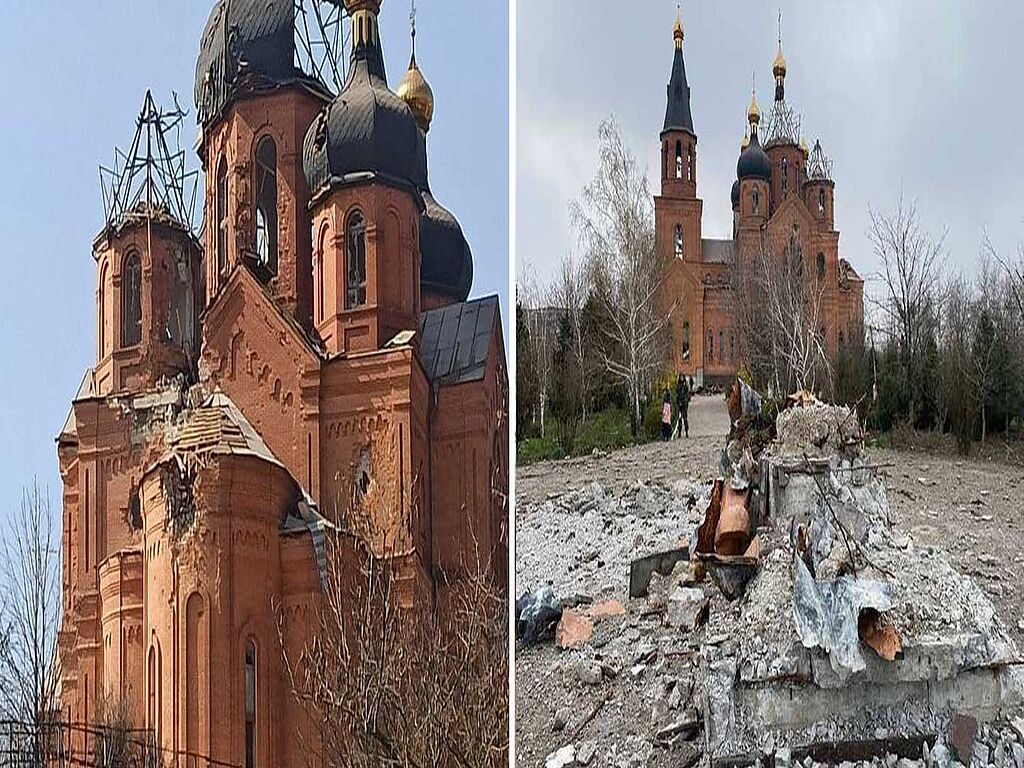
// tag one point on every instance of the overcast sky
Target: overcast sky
(74, 77)
(919, 96)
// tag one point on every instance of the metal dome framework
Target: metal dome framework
(151, 178)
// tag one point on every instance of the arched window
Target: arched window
(686, 339)
(250, 704)
(679, 241)
(355, 236)
(821, 266)
(155, 719)
(732, 347)
(721, 347)
(679, 159)
(131, 300)
(785, 177)
(757, 201)
(266, 204)
(821, 203)
(321, 255)
(711, 346)
(101, 305)
(222, 215)
(689, 164)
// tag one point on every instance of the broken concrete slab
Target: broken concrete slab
(686, 607)
(641, 569)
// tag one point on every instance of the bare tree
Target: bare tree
(780, 321)
(1014, 269)
(539, 315)
(387, 681)
(957, 370)
(911, 262)
(31, 612)
(614, 218)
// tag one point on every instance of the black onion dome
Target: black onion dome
(754, 162)
(446, 265)
(247, 45)
(735, 193)
(366, 130)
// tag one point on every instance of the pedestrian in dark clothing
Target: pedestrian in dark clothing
(684, 391)
(666, 416)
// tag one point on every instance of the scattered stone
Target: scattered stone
(560, 720)
(965, 728)
(685, 728)
(589, 674)
(685, 606)
(574, 630)
(562, 758)
(1018, 754)
(586, 752)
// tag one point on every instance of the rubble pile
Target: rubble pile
(800, 627)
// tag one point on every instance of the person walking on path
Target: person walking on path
(683, 393)
(666, 416)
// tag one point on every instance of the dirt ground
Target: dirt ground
(971, 508)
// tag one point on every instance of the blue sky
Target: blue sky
(920, 96)
(75, 74)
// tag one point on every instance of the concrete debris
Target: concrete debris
(686, 609)
(641, 569)
(830, 638)
(585, 754)
(562, 758)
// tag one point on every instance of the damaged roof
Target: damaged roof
(220, 427)
(85, 389)
(454, 340)
(718, 251)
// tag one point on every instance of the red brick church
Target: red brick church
(783, 197)
(256, 382)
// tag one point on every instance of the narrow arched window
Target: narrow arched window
(131, 300)
(821, 203)
(689, 164)
(250, 704)
(679, 159)
(686, 339)
(721, 346)
(222, 215)
(732, 347)
(711, 346)
(321, 255)
(821, 266)
(757, 201)
(785, 177)
(101, 305)
(355, 236)
(679, 241)
(266, 204)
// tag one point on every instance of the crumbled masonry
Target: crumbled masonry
(844, 642)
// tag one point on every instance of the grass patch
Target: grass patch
(605, 431)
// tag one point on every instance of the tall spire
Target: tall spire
(753, 111)
(677, 113)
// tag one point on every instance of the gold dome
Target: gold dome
(754, 111)
(746, 139)
(779, 65)
(415, 91)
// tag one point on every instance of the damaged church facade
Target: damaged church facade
(783, 205)
(258, 383)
